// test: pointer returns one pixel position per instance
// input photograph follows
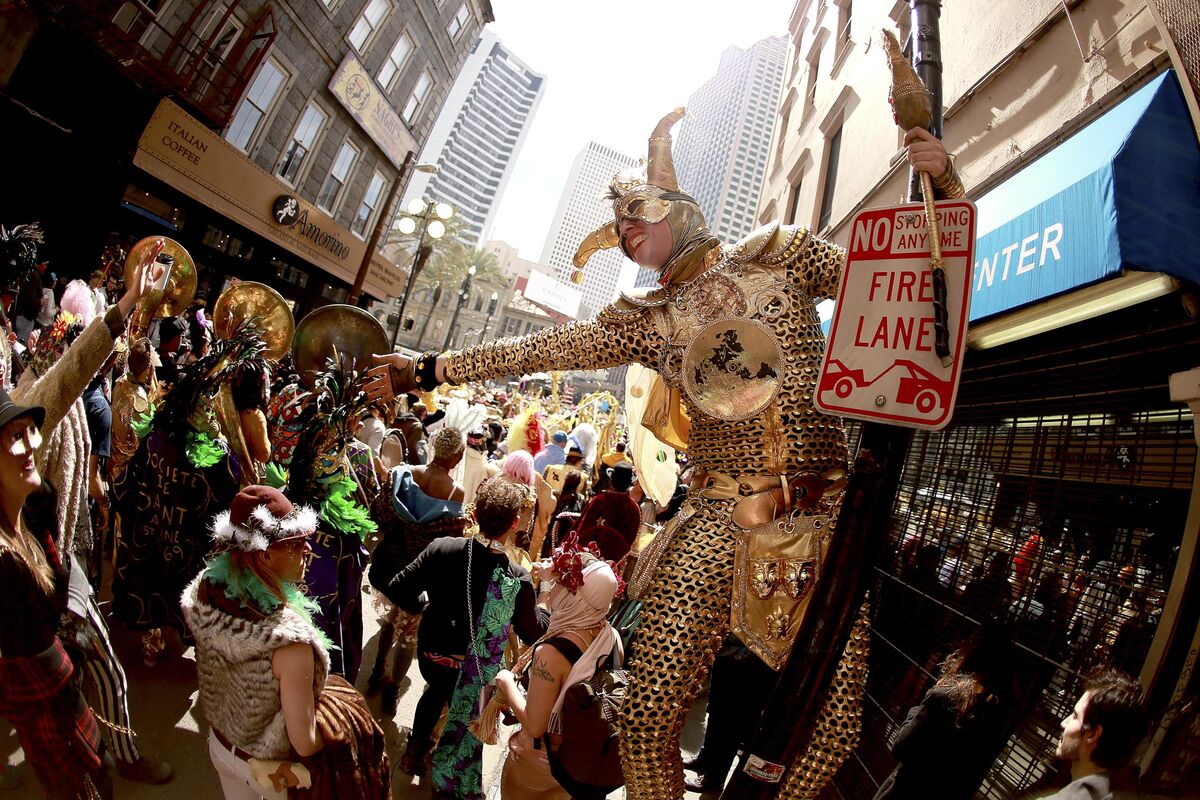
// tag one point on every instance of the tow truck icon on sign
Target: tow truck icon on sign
(905, 383)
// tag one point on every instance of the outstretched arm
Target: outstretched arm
(615, 337)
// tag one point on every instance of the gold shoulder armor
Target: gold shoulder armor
(751, 246)
(785, 246)
(629, 306)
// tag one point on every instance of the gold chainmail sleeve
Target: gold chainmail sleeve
(617, 336)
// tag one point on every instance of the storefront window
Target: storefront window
(334, 294)
(225, 243)
(286, 272)
(143, 202)
(1055, 506)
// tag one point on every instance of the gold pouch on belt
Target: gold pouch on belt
(775, 567)
(665, 416)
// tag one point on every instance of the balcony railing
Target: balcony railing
(206, 61)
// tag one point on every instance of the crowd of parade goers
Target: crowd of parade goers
(494, 527)
(117, 462)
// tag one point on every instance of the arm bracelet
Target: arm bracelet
(948, 185)
(425, 370)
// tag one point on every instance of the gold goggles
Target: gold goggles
(647, 207)
(23, 442)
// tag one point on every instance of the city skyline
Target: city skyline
(582, 209)
(478, 136)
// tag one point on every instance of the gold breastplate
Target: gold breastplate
(721, 346)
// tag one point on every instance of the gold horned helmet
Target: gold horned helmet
(651, 199)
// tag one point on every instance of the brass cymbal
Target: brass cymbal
(273, 316)
(181, 285)
(349, 330)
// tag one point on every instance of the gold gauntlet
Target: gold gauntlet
(948, 185)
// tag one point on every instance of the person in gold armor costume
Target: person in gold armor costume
(735, 338)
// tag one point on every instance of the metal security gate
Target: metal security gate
(1056, 502)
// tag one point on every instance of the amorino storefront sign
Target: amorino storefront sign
(351, 84)
(180, 151)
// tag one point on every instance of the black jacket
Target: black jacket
(441, 570)
(32, 617)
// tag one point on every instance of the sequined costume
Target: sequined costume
(735, 336)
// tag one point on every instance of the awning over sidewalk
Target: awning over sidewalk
(1123, 193)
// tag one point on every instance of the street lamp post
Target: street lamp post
(437, 296)
(405, 168)
(463, 294)
(430, 216)
(493, 301)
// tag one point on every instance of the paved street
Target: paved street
(166, 715)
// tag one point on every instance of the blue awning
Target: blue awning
(1123, 193)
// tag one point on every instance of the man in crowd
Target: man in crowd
(553, 454)
(1100, 735)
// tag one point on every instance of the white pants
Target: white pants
(236, 780)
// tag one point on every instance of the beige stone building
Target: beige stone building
(1061, 501)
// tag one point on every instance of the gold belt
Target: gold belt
(762, 498)
(765, 498)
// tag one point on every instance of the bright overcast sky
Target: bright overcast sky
(612, 68)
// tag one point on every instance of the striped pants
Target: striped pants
(104, 668)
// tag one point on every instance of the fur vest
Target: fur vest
(238, 690)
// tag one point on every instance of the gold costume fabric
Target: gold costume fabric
(767, 282)
(130, 401)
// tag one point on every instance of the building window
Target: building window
(307, 130)
(222, 41)
(368, 205)
(831, 169)
(342, 165)
(844, 14)
(136, 18)
(901, 17)
(368, 23)
(254, 107)
(395, 61)
(417, 98)
(458, 23)
(810, 96)
(795, 207)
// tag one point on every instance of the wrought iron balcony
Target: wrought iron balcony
(204, 60)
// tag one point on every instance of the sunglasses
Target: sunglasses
(24, 441)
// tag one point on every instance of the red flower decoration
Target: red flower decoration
(567, 560)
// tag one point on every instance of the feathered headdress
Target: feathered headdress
(330, 410)
(19, 246)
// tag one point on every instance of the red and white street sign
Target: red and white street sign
(880, 363)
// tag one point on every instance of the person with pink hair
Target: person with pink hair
(517, 467)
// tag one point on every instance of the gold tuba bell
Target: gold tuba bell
(270, 314)
(173, 292)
